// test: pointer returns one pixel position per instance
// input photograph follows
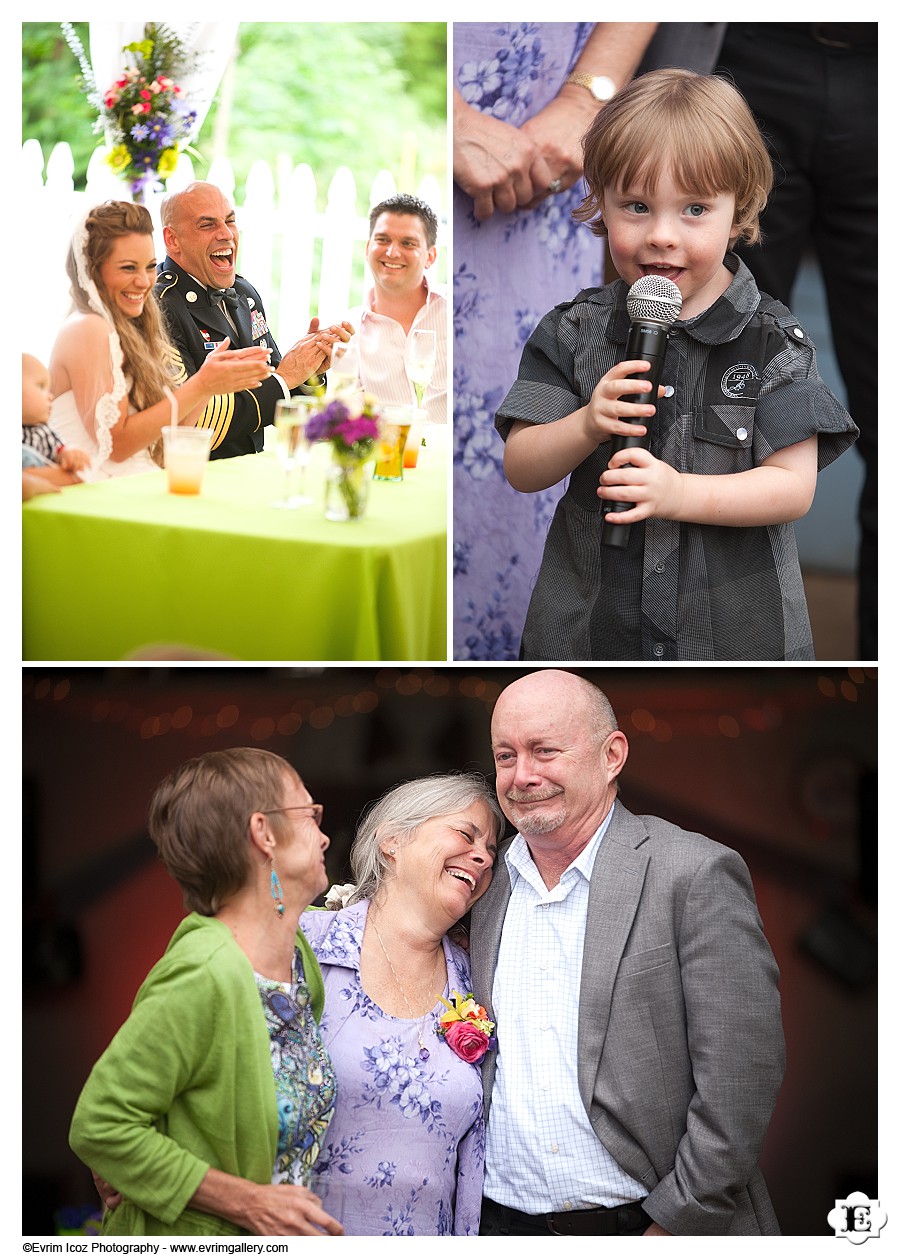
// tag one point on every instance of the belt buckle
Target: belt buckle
(569, 1221)
(551, 1221)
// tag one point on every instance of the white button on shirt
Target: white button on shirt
(536, 1107)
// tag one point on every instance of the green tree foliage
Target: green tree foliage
(366, 95)
(337, 94)
(54, 106)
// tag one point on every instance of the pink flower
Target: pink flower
(467, 1041)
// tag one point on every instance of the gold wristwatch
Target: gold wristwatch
(599, 86)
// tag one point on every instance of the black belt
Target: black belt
(844, 34)
(601, 1221)
(830, 34)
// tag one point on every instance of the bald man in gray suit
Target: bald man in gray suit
(640, 1047)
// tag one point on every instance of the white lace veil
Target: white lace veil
(108, 404)
(111, 385)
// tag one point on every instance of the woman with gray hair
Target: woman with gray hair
(405, 1152)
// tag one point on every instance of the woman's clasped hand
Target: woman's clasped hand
(228, 370)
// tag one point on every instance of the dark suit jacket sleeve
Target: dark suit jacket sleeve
(237, 418)
(735, 1046)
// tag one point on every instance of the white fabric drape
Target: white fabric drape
(213, 41)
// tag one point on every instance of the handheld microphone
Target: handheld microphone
(654, 303)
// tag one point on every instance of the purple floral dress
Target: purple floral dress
(404, 1155)
(509, 270)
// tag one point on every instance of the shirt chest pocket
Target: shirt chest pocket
(722, 438)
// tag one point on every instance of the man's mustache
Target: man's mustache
(525, 797)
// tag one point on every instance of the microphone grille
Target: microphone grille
(654, 297)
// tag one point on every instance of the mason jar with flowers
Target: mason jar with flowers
(350, 426)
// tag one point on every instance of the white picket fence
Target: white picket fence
(303, 260)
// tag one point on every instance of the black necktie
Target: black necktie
(226, 295)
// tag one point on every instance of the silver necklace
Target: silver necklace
(423, 1051)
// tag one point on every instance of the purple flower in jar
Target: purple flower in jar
(321, 425)
(354, 430)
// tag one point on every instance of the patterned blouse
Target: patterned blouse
(404, 1155)
(304, 1077)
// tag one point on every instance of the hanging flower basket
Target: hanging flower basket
(143, 114)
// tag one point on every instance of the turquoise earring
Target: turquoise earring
(275, 889)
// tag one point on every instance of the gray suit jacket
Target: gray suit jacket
(680, 1045)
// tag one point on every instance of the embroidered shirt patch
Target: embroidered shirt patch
(737, 378)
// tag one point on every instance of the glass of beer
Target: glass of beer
(393, 430)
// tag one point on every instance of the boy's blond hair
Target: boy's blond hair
(698, 124)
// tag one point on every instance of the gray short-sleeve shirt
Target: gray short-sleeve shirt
(745, 385)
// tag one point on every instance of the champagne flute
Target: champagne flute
(343, 372)
(420, 354)
(292, 447)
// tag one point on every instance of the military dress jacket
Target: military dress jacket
(197, 325)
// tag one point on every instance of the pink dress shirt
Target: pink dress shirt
(382, 347)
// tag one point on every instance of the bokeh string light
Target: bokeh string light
(699, 707)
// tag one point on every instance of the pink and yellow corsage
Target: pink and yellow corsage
(466, 1027)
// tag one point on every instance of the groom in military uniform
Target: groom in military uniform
(204, 301)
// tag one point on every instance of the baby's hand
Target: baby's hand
(653, 487)
(604, 410)
(72, 460)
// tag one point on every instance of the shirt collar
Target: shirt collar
(341, 944)
(370, 293)
(199, 285)
(518, 856)
(723, 321)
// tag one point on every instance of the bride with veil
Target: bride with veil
(116, 378)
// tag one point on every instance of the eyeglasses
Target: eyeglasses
(316, 810)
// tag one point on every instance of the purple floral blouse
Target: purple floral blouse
(404, 1155)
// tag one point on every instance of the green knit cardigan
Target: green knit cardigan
(185, 1085)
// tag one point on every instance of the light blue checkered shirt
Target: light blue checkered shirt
(542, 1153)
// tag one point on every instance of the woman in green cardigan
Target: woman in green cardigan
(208, 1109)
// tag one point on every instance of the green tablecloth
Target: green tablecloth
(113, 567)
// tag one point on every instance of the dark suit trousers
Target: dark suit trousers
(816, 105)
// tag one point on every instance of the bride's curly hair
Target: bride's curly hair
(150, 361)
